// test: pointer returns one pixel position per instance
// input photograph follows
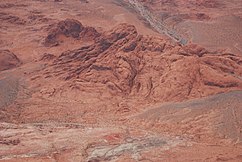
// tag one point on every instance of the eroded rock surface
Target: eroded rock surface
(69, 28)
(98, 83)
(8, 60)
(127, 63)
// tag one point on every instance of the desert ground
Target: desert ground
(120, 80)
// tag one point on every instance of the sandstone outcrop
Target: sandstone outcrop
(8, 60)
(127, 63)
(69, 28)
(112, 91)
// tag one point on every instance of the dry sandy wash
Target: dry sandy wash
(120, 80)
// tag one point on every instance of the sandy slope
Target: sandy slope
(215, 24)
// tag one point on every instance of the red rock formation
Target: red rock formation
(47, 57)
(127, 63)
(103, 98)
(8, 60)
(69, 28)
(11, 19)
